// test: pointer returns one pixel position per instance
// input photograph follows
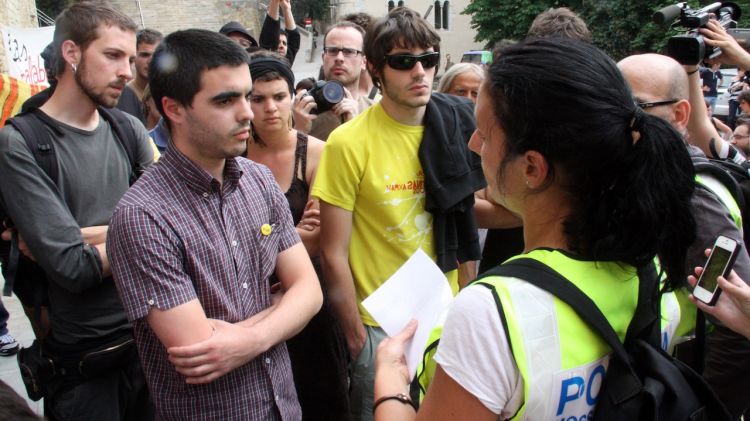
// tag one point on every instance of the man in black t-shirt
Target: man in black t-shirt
(712, 80)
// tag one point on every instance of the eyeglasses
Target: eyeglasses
(334, 52)
(739, 136)
(408, 61)
(645, 105)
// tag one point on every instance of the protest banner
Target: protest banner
(23, 47)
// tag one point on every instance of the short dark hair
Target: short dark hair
(79, 23)
(361, 19)
(559, 22)
(148, 36)
(744, 96)
(401, 27)
(306, 84)
(344, 24)
(627, 174)
(181, 58)
(743, 122)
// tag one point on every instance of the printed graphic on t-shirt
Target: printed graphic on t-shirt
(416, 223)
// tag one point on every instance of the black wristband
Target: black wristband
(401, 397)
(691, 72)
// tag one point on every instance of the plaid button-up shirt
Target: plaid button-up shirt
(178, 234)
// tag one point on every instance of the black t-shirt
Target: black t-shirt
(710, 79)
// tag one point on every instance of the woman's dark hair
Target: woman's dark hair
(628, 174)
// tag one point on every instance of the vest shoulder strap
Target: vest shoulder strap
(546, 278)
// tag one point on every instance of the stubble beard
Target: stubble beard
(209, 141)
(99, 99)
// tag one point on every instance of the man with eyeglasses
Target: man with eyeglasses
(343, 61)
(383, 184)
(662, 87)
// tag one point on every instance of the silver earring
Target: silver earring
(75, 68)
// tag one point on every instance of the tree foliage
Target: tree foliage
(619, 27)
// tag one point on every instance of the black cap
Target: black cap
(237, 27)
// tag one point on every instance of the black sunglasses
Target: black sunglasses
(645, 105)
(408, 61)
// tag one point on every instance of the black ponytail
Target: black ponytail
(628, 174)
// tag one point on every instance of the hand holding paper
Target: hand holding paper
(418, 290)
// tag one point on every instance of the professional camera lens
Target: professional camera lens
(326, 94)
(333, 92)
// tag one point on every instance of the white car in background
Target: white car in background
(721, 110)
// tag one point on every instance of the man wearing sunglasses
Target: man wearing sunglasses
(379, 184)
(343, 61)
(662, 87)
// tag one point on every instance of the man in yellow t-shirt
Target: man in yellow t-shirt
(371, 185)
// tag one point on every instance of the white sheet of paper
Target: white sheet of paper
(418, 290)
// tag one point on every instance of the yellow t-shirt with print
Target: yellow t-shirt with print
(370, 167)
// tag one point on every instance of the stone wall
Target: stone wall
(169, 16)
(17, 14)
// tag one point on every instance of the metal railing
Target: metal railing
(44, 19)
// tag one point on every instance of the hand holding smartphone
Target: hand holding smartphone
(719, 263)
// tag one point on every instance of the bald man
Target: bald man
(662, 87)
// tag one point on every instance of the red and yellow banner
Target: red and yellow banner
(13, 93)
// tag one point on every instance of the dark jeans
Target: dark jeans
(732, 116)
(727, 369)
(119, 395)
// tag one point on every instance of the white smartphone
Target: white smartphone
(719, 263)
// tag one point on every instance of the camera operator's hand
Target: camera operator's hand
(731, 51)
(303, 106)
(347, 109)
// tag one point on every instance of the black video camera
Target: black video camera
(326, 94)
(691, 48)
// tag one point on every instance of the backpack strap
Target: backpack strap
(34, 126)
(546, 278)
(706, 166)
(128, 138)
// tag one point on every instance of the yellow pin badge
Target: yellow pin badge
(266, 229)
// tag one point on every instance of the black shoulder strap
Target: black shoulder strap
(33, 126)
(546, 278)
(126, 135)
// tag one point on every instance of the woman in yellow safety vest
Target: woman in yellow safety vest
(602, 188)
